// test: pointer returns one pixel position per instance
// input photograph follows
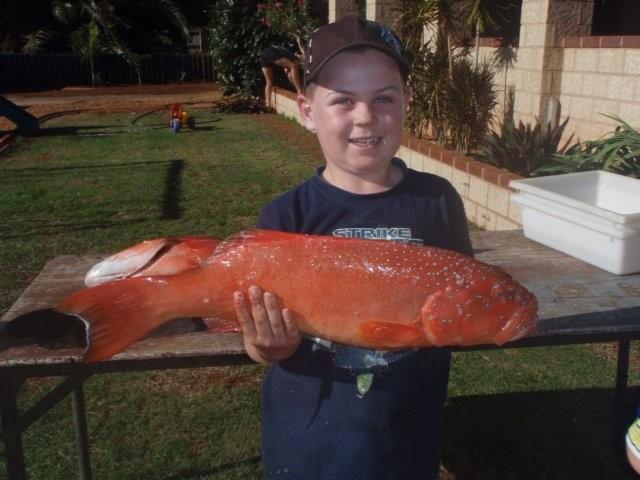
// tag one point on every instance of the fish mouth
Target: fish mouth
(365, 141)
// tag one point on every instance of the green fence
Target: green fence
(56, 70)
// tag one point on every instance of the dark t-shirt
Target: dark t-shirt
(316, 423)
(271, 54)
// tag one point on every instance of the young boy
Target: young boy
(332, 411)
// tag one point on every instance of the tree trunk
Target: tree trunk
(93, 74)
(477, 43)
(450, 56)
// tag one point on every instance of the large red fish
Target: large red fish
(367, 293)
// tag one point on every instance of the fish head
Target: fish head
(489, 309)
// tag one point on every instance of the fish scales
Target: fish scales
(367, 293)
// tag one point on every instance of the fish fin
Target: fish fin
(160, 256)
(221, 325)
(127, 262)
(116, 314)
(253, 236)
(383, 334)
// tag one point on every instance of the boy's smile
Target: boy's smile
(357, 107)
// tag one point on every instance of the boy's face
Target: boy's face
(356, 105)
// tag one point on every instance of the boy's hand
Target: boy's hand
(270, 334)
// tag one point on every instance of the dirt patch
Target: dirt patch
(124, 98)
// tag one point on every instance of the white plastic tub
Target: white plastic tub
(593, 216)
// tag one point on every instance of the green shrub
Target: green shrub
(291, 19)
(523, 149)
(454, 109)
(237, 40)
(469, 109)
(428, 83)
(617, 153)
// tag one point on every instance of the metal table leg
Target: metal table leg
(80, 425)
(11, 431)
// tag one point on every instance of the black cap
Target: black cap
(349, 32)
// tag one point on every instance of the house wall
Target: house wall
(484, 189)
(589, 81)
(584, 75)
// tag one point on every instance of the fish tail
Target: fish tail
(117, 314)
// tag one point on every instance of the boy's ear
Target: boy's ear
(306, 112)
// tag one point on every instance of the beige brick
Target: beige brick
(572, 83)
(478, 190)
(534, 81)
(630, 113)
(610, 60)
(524, 103)
(445, 171)
(581, 108)
(593, 130)
(608, 107)
(515, 215)
(403, 153)
(530, 58)
(620, 87)
(470, 209)
(486, 53)
(417, 161)
(503, 223)
(594, 85)
(569, 59)
(521, 79)
(431, 165)
(532, 13)
(553, 59)
(486, 219)
(632, 61)
(636, 96)
(460, 181)
(498, 199)
(586, 60)
(535, 35)
(556, 82)
(547, 82)
(525, 58)
(538, 58)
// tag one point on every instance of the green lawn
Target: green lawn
(98, 183)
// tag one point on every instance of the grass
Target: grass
(97, 183)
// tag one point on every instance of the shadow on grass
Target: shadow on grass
(211, 472)
(52, 131)
(536, 435)
(171, 209)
